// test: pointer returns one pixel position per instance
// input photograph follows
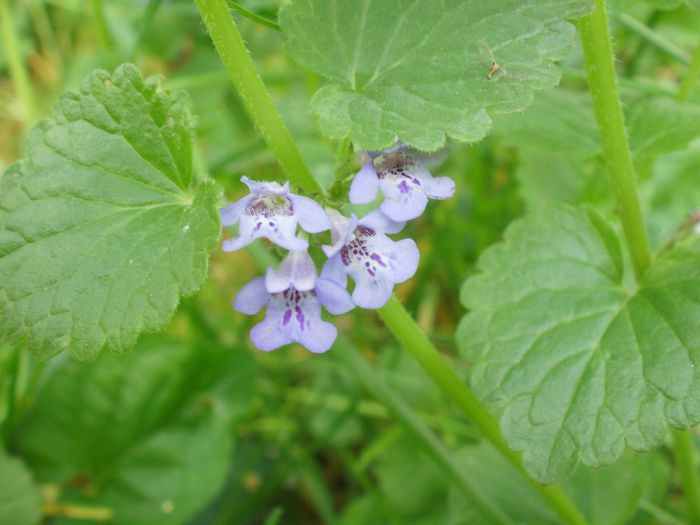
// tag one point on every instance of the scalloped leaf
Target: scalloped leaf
(103, 225)
(423, 70)
(578, 364)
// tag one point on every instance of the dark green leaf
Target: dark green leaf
(20, 500)
(420, 70)
(145, 434)
(103, 226)
(578, 363)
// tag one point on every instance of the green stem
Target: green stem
(234, 54)
(102, 26)
(376, 386)
(255, 17)
(18, 72)
(684, 451)
(417, 343)
(692, 77)
(600, 64)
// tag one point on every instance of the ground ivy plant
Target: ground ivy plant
(579, 342)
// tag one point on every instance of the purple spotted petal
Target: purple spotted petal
(297, 270)
(404, 198)
(311, 216)
(333, 296)
(365, 185)
(252, 297)
(380, 222)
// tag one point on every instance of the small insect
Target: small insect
(495, 69)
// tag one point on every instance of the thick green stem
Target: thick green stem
(692, 77)
(684, 451)
(234, 54)
(19, 74)
(417, 343)
(600, 64)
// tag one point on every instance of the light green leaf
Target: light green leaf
(103, 226)
(146, 434)
(20, 500)
(579, 364)
(502, 485)
(421, 70)
(610, 495)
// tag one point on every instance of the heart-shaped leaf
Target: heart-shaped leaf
(103, 226)
(422, 70)
(578, 363)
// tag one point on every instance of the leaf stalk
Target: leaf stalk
(594, 30)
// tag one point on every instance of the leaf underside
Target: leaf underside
(424, 70)
(578, 365)
(103, 225)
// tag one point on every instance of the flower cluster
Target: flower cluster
(361, 248)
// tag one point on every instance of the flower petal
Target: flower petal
(319, 337)
(282, 231)
(333, 297)
(267, 336)
(404, 257)
(403, 200)
(297, 270)
(439, 187)
(334, 270)
(311, 216)
(365, 185)
(252, 297)
(380, 222)
(231, 213)
(341, 230)
(372, 293)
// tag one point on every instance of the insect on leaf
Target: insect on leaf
(424, 70)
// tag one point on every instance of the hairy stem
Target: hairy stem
(18, 72)
(692, 77)
(244, 76)
(235, 56)
(684, 451)
(600, 64)
(417, 343)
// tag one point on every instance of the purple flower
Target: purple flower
(293, 296)
(271, 211)
(376, 263)
(405, 183)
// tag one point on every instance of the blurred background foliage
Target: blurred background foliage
(194, 426)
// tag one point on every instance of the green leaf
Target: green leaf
(20, 500)
(610, 495)
(146, 434)
(103, 226)
(660, 125)
(420, 70)
(501, 484)
(578, 363)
